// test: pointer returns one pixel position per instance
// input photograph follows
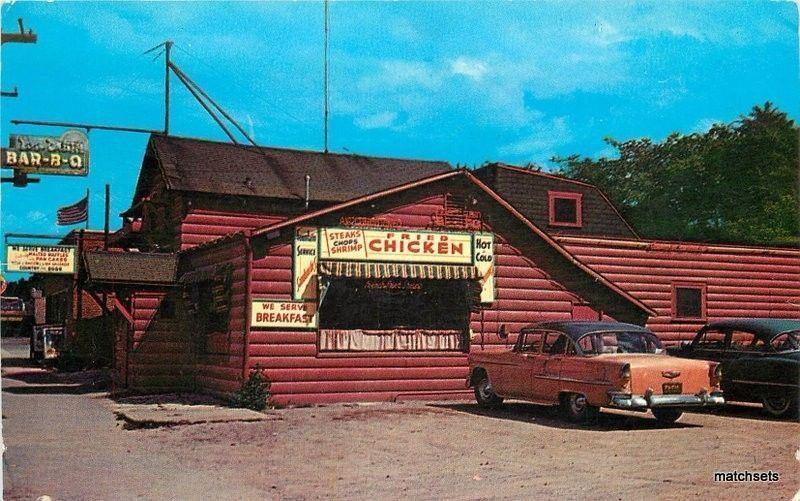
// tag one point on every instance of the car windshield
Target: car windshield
(597, 343)
(787, 341)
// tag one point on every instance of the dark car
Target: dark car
(760, 360)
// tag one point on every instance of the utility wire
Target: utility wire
(219, 108)
(200, 100)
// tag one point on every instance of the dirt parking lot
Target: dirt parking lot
(455, 451)
(64, 441)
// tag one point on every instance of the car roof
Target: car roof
(766, 327)
(576, 329)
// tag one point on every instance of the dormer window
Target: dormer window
(565, 209)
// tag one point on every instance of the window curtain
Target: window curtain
(390, 340)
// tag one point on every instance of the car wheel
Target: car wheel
(780, 405)
(577, 409)
(667, 416)
(485, 396)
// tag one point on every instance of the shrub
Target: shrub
(70, 360)
(91, 347)
(254, 392)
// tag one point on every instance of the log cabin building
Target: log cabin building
(348, 277)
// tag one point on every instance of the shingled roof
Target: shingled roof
(224, 168)
(131, 267)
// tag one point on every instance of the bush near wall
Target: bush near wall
(90, 348)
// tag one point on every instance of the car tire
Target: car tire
(667, 416)
(780, 405)
(577, 409)
(485, 396)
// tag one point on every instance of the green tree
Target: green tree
(738, 182)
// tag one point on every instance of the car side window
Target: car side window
(570, 349)
(555, 343)
(711, 339)
(531, 341)
(746, 341)
(586, 345)
(786, 341)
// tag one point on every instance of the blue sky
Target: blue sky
(457, 81)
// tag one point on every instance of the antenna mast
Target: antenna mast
(325, 91)
(167, 62)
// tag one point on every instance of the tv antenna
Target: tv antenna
(325, 78)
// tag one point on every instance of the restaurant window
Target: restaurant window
(566, 209)
(393, 314)
(688, 301)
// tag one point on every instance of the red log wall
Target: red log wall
(160, 351)
(740, 281)
(203, 225)
(216, 372)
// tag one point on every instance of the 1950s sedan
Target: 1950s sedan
(760, 360)
(584, 366)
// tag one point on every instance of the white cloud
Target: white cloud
(402, 29)
(472, 68)
(35, 216)
(377, 121)
(540, 142)
(118, 87)
(704, 124)
(396, 73)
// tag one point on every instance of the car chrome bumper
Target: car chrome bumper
(627, 401)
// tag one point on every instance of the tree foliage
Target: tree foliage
(738, 182)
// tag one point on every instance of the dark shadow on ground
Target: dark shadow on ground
(550, 416)
(742, 410)
(168, 398)
(37, 381)
(19, 362)
(52, 389)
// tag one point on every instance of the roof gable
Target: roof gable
(528, 190)
(229, 169)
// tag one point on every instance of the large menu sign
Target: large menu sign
(355, 244)
(41, 258)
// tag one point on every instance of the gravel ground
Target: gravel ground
(64, 441)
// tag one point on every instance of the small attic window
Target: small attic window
(565, 209)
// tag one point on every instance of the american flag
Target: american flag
(75, 213)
